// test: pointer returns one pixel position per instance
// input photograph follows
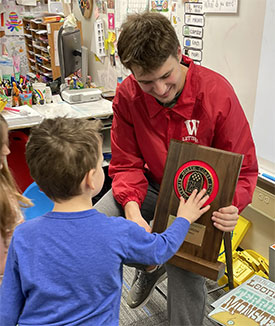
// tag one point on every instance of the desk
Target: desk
(98, 109)
(28, 117)
(101, 109)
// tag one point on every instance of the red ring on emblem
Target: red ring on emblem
(210, 179)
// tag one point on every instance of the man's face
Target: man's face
(163, 83)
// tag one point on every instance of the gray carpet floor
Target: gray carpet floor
(154, 312)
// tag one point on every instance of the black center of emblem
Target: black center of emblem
(194, 177)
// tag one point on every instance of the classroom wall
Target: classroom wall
(236, 45)
(264, 116)
(87, 31)
(231, 46)
(241, 47)
(94, 67)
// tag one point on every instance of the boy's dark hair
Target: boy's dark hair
(147, 40)
(60, 152)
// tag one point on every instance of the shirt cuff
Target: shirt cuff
(127, 199)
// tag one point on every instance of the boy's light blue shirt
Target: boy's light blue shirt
(66, 268)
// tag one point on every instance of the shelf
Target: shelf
(40, 41)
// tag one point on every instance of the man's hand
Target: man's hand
(226, 218)
(132, 212)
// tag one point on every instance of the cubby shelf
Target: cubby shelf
(41, 47)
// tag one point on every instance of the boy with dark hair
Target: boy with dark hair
(167, 97)
(65, 267)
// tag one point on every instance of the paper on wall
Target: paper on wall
(26, 2)
(177, 18)
(161, 6)
(222, 6)
(120, 12)
(137, 6)
(14, 47)
(12, 19)
(6, 65)
(98, 41)
(107, 77)
(56, 55)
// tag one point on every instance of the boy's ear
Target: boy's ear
(179, 53)
(90, 179)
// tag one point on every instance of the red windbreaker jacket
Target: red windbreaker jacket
(206, 113)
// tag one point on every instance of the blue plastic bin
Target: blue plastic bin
(42, 203)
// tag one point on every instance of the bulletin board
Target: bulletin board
(12, 42)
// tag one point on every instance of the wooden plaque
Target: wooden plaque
(189, 166)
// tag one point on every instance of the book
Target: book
(250, 304)
(51, 19)
(48, 18)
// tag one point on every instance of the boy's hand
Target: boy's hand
(192, 208)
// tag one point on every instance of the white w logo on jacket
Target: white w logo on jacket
(192, 126)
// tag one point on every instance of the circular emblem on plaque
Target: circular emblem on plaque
(196, 175)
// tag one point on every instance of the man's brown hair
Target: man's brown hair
(60, 152)
(147, 40)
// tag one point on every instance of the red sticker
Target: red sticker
(196, 175)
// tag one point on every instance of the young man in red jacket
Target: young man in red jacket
(168, 96)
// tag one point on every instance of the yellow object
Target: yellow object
(97, 58)
(227, 318)
(245, 263)
(241, 271)
(109, 42)
(263, 262)
(238, 234)
(255, 264)
(3, 103)
(262, 274)
(111, 37)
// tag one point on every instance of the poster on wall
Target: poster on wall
(220, 6)
(14, 47)
(162, 6)
(128, 7)
(137, 6)
(120, 13)
(100, 8)
(13, 20)
(177, 17)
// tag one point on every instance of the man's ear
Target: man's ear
(90, 179)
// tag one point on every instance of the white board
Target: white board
(264, 115)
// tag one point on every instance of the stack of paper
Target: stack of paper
(96, 109)
(25, 117)
(54, 110)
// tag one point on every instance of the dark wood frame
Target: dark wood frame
(198, 259)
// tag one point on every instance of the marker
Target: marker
(11, 109)
(268, 176)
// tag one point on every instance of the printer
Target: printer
(73, 96)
